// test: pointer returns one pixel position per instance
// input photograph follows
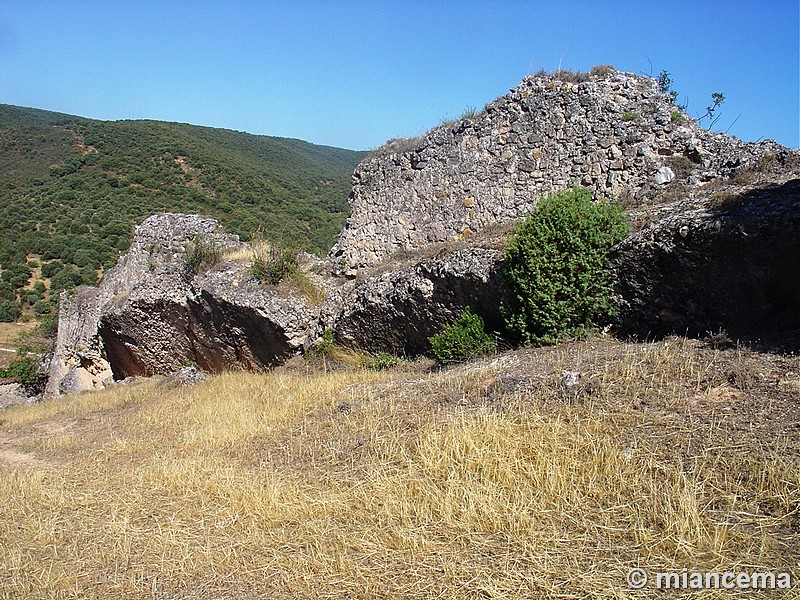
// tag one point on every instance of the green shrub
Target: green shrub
(48, 322)
(664, 81)
(65, 279)
(17, 274)
(9, 311)
(555, 267)
(7, 291)
(463, 339)
(201, 255)
(26, 372)
(469, 113)
(43, 307)
(380, 361)
(324, 344)
(328, 338)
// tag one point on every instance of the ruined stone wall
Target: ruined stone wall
(612, 132)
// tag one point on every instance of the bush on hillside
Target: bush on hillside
(7, 291)
(26, 372)
(463, 339)
(556, 267)
(9, 311)
(80, 213)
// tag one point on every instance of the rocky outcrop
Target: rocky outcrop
(13, 394)
(396, 311)
(610, 131)
(151, 316)
(721, 261)
(724, 259)
(78, 362)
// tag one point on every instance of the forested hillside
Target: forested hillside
(71, 189)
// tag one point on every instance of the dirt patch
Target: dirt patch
(16, 459)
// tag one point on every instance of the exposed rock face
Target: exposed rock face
(397, 311)
(12, 394)
(719, 262)
(150, 316)
(614, 133)
(78, 361)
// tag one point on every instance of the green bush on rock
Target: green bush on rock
(463, 339)
(556, 267)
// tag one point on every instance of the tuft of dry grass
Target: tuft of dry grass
(238, 254)
(297, 279)
(485, 480)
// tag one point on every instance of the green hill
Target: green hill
(72, 188)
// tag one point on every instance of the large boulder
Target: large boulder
(398, 309)
(153, 314)
(725, 260)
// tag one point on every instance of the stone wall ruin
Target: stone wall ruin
(612, 132)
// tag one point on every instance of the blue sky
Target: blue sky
(354, 74)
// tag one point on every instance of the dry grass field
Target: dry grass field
(486, 480)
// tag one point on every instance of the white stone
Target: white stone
(664, 175)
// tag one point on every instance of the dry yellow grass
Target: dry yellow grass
(484, 481)
(238, 254)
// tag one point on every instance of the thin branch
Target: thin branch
(732, 124)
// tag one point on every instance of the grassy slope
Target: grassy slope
(71, 188)
(487, 480)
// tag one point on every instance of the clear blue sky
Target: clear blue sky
(353, 74)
